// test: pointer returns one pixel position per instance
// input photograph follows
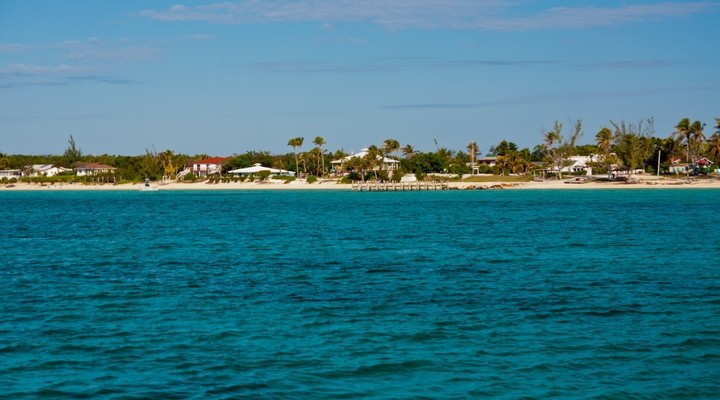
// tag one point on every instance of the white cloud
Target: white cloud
(98, 49)
(200, 36)
(452, 14)
(57, 70)
(13, 47)
(28, 75)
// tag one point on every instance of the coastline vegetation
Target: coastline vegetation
(630, 146)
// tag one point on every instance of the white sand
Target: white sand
(643, 183)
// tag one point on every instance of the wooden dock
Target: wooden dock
(398, 186)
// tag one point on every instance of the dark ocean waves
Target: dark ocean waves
(585, 294)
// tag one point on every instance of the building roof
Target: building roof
(361, 154)
(212, 160)
(257, 167)
(95, 166)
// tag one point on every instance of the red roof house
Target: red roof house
(208, 166)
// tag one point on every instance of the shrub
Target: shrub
(353, 176)
(311, 179)
(190, 177)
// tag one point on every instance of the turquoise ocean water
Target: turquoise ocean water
(304, 295)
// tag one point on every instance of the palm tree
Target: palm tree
(525, 159)
(473, 152)
(296, 143)
(408, 150)
(390, 146)
(692, 134)
(714, 147)
(320, 142)
(604, 139)
(373, 159)
(505, 162)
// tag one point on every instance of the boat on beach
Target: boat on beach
(148, 187)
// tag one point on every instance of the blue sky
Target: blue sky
(227, 77)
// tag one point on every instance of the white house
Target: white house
(208, 166)
(389, 164)
(257, 167)
(577, 164)
(10, 173)
(47, 170)
(94, 169)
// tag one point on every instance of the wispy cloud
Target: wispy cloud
(429, 14)
(633, 64)
(13, 47)
(395, 64)
(29, 69)
(99, 49)
(199, 36)
(542, 98)
(28, 75)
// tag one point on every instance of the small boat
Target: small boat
(147, 187)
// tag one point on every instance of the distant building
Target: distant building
(47, 170)
(10, 173)
(208, 166)
(389, 164)
(92, 169)
(489, 161)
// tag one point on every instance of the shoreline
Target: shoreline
(642, 183)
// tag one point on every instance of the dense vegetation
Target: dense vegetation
(630, 146)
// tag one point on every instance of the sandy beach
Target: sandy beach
(640, 183)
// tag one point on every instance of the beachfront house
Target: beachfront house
(340, 166)
(10, 173)
(257, 168)
(576, 164)
(209, 166)
(475, 167)
(93, 169)
(47, 170)
(97, 172)
(489, 161)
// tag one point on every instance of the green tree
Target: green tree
(473, 151)
(604, 142)
(4, 161)
(296, 143)
(408, 152)
(73, 154)
(634, 142)
(320, 142)
(373, 160)
(150, 166)
(425, 163)
(390, 146)
(168, 165)
(714, 144)
(691, 135)
(558, 147)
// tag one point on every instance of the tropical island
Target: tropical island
(624, 154)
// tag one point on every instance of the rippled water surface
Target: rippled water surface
(447, 295)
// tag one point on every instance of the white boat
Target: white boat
(147, 187)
